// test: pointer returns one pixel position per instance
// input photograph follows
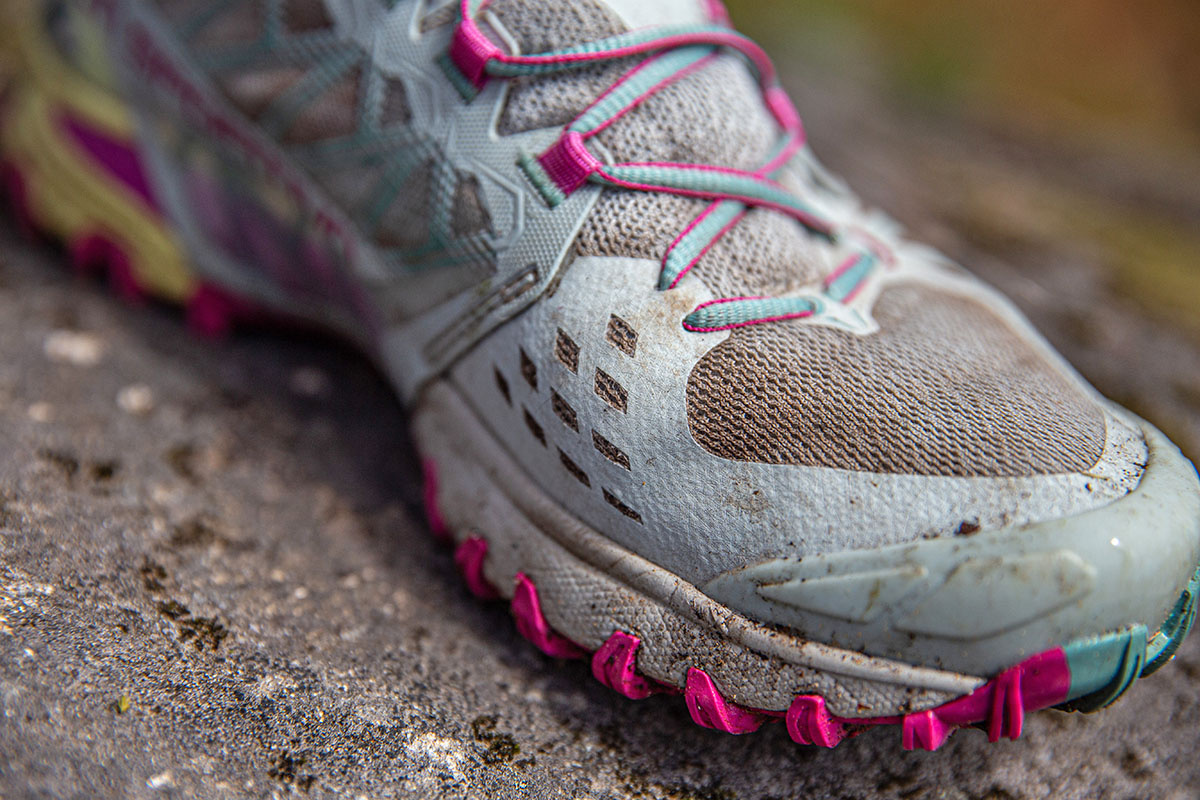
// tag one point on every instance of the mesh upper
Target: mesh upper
(944, 388)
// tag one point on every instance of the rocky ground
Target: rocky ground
(215, 582)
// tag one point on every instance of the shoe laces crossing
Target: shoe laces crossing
(672, 54)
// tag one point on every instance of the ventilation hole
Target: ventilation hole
(254, 91)
(610, 451)
(622, 336)
(610, 391)
(238, 23)
(395, 110)
(566, 351)
(535, 428)
(502, 385)
(305, 16)
(470, 215)
(564, 411)
(528, 370)
(619, 506)
(573, 468)
(332, 114)
(407, 222)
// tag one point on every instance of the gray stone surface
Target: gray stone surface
(214, 580)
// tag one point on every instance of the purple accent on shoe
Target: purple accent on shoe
(471, 51)
(469, 558)
(613, 665)
(120, 159)
(925, 730)
(710, 710)
(531, 623)
(569, 163)
(433, 512)
(96, 253)
(809, 722)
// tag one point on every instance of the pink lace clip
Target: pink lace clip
(569, 163)
(471, 51)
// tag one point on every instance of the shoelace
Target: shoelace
(674, 52)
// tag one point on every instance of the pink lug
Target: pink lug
(469, 557)
(527, 608)
(710, 710)
(924, 730)
(809, 722)
(613, 665)
(96, 253)
(433, 512)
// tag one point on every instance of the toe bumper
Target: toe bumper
(1114, 587)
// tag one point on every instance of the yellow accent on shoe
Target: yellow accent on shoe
(66, 194)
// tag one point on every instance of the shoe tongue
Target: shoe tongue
(715, 116)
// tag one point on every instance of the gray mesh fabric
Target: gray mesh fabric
(713, 116)
(636, 224)
(333, 113)
(944, 388)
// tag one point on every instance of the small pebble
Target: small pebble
(160, 781)
(309, 382)
(137, 399)
(40, 412)
(74, 347)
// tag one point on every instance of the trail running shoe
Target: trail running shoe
(695, 412)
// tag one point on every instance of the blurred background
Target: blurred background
(1054, 148)
(1104, 71)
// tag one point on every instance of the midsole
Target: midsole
(444, 422)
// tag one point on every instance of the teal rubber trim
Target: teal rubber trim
(1104, 667)
(541, 181)
(456, 78)
(1175, 628)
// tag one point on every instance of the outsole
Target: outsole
(998, 706)
(619, 655)
(630, 639)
